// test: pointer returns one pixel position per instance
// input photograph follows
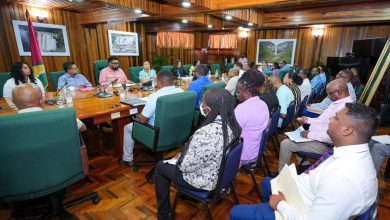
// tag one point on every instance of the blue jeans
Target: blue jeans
(256, 211)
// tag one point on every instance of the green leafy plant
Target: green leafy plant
(159, 61)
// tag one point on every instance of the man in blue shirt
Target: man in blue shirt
(285, 97)
(200, 80)
(165, 83)
(322, 75)
(284, 66)
(72, 77)
(316, 81)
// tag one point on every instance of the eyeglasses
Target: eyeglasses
(115, 63)
(330, 93)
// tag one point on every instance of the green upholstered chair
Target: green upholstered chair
(215, 67)
(54, 76)
(97, 67)
(172, 126)
(358, 91)
(166, 68)
(3, 79)
(220, 84)
(187, 68)
(134, 73)
(282, 73)
(39, 158)
(229, 66)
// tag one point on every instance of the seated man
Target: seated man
(72, 77)
(112, 72)
(317, 132)
(316, 81)
(379, 152)
(200, 80)
(285, 97)
(165, 84)
(28, 98)
(346, 76)
(233, 79)
(341, 185)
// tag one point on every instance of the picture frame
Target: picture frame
(276, 50)
(52, 38)
(123, 43)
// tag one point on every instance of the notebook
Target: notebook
(135, 102)
(383, 139)
(296, 135)
(286, 183)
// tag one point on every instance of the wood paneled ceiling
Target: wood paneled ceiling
(165, 15)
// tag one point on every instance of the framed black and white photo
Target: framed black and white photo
(52, 39)
(123, 43)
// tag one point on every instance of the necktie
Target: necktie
(328, 154)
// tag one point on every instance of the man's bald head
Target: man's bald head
(337, 89)
(27, 95)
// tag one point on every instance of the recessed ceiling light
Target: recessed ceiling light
(186, 4)
(210, 26)
(240, 28)
(184, 21)
(228, 17)
(250, 24)
(138, 11)
(70, 0)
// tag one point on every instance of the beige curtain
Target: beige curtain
(175, 40)
(223, 41)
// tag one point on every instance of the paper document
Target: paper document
(134, 102)
(314, 110)
(172, 161)
(296, 135)
(85, 89)
(383, 139)
(286, 183)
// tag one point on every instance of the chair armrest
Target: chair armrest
(145, 134)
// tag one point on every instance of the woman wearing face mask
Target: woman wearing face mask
(198, 165)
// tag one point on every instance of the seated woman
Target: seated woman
(21, 73)
(198, 165)
(267, 94)
(252, 114)
(276, 69)
(178, 70)
(233, 79)
(196, 63)
(147, 74)
(289, 82)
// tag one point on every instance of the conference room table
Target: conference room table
(93, 110)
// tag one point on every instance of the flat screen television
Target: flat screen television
(369, 47)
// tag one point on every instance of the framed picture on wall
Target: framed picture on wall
(275, 50)
(52, 39)
(123, 43)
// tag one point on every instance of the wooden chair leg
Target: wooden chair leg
(234, 193)
(255, 183)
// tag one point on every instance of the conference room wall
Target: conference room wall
(336, 41)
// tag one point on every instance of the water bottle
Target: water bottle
(69, 98)
(209, 74)
(216, 74)
(153, 84)
(122, 93)
(223, 77)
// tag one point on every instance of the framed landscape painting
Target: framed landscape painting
(275, 50)
(123, 43)
(52, 39)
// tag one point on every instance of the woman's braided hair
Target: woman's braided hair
(251, 80)
(221, 103)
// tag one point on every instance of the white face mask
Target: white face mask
(201, 110)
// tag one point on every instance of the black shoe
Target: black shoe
(126, 163)
(166, 217)
(273, 174)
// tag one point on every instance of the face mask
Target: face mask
(201, 110)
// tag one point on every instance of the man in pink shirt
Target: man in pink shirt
(112, 72)
(337, 91)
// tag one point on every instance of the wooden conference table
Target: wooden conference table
(93, 110)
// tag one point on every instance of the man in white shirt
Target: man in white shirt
(305, 87)
(341, 185)
(233, 79)
(28, 98)
(240, 67)
(165, 84)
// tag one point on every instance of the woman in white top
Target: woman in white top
(20, 73)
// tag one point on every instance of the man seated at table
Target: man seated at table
(28, 98)
(285, 97)
(166, 87)
(341, 185)
(200, 80)
(338, 92)
(112, 72)
(72, 77)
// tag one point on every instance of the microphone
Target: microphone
(105, 94)
(54, 101)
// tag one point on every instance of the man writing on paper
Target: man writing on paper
(165, 84)
(337, 91)
(340, 185)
